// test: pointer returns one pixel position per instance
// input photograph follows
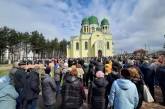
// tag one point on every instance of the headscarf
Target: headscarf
(99, 74)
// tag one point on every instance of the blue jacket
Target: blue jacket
(161, 76)
(123, 94)
(8, 96)
(148, 74)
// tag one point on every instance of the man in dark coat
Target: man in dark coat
(48, 91)
(161, 79)
(32, 89)
(90, 73)
(19, 81)
(72, 92)
(99, 66)
(111, 77)
(148, 72)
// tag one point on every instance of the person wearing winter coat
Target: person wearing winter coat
(19, 81)
(80, 71)
(111, 77)
(90, 73)
(73, 92)
(97, 91)
(137, 79)
(57, 78)
(99, 66)
(8, 95)
(161, 79)
(32, 89)
(64, 72)
(149, 71)
(123, 94)
(48, 91)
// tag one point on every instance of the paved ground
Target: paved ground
(144, 106)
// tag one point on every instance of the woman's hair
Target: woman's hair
(125, 73)
(134, 72)
(73, 71)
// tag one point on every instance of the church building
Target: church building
(94, 39)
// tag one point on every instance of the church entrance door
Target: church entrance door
(100, 53)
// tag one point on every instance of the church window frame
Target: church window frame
(108, 47)
(77, 45)
(93, 29)
(86, 45)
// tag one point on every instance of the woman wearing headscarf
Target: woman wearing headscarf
(97, 91)
(73, 92)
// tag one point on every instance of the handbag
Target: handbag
(147, 95)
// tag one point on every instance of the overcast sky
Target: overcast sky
(133, 23)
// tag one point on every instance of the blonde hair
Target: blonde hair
(134, 72)
(74, 71)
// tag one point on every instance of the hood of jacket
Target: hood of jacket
(45, 76)
(8, 90)
(100, 82)
(124, 84)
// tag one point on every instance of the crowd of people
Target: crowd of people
(102, 83)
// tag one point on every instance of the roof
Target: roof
(85, 21)
(93, 20)
(104, 22)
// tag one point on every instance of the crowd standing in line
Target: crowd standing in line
(111, 83)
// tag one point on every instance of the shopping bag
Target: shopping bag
(147, 95)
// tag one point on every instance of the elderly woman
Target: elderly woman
(8, 94)
(72, 91)
(97, 91)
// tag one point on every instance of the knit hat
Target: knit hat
(99, 74)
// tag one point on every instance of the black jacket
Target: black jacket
(48, 90)
(111, 78)
(148, 73)
(32, 85)
(161, 75)
(72, 93)
(97, 93)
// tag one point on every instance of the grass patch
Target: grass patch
(5, 65)
(3, 72)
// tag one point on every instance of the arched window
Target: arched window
(77, 46)
(107, 45)
(93, 29)
(86, 45)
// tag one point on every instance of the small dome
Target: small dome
(85, 21)
(93, 20)
(104, 22)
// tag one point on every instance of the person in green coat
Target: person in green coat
(8, 95)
